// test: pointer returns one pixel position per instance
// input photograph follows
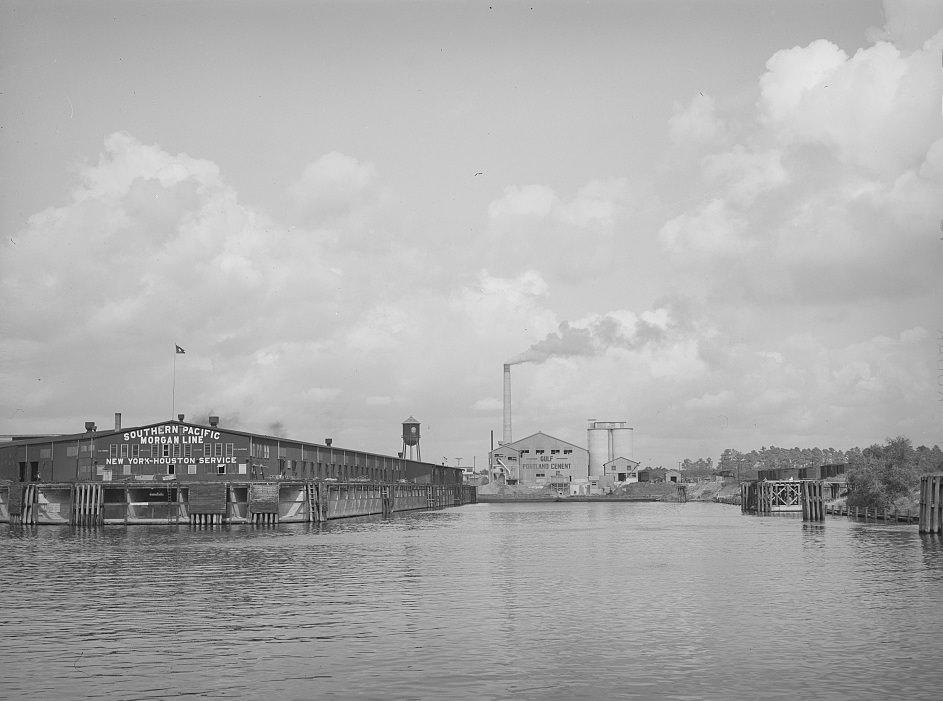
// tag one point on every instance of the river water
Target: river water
(486, 601)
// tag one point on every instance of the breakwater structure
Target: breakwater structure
(217, 503)
(178, 472)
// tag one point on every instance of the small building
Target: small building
(779, 474)
(660, 474)
(622, 469)
(673, 475)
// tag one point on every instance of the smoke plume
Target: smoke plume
(593, 337)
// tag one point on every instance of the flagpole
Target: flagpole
(173, 391)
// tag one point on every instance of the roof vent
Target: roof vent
(90, 426)
(180, 418)
(328, 441)
(214, 421)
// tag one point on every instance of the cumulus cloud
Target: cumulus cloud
(332, 185)
(697, 122)
(154, 249)
(909, 23)
(779, 270)
(829, 188)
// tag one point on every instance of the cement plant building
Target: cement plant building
(541, 460)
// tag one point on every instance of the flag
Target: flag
(179, 349)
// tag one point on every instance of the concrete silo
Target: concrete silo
(606, 441)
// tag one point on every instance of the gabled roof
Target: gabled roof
(99, 434)
(634, 463)
(535, 435)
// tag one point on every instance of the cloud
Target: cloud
(874, 110)
(535, 201)
(333, 186)
(153, 249)
(714, 232)
(909, 23)
(828, 191)
(533, 223)
(778, 269)
(697, 122)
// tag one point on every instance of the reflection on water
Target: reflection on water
(524, 601)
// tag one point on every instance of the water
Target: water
(515, 601)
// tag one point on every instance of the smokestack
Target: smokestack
(507, 403)
(117, 420)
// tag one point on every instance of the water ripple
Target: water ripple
(524, 601)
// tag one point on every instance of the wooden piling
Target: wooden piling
(813, 501)
(931, 503)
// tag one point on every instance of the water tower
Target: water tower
(411, 439)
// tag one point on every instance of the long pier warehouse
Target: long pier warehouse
(179, 472)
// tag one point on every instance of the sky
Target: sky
(717, 221)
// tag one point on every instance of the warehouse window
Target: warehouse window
(540, 474)
(524, 452)
(72, 451)
(113, 450)
(165, 452)
(229, 449)
(171, 468)
(554, 452)
(539, 452)
(567, 451)
(135, 450)
(220, 469)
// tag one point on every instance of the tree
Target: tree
(882, 474)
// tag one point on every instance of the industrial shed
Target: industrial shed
(180, 451)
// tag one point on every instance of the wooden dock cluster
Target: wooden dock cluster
(765, 497)
(217, 503)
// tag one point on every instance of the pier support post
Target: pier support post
(813, 501)
(931, 503)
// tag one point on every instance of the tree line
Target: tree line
(877, 476)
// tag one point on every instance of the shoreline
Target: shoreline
(517, 498)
